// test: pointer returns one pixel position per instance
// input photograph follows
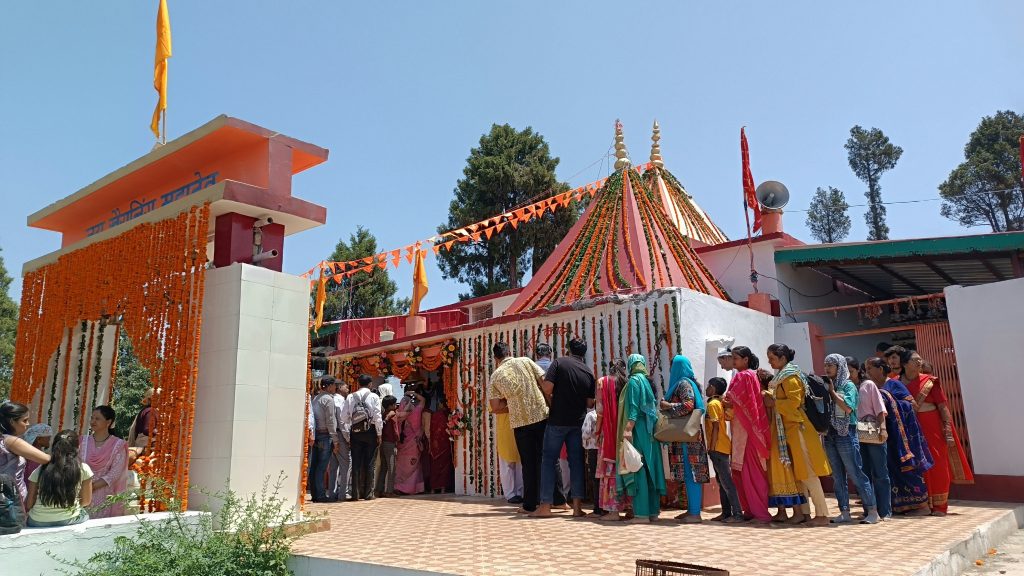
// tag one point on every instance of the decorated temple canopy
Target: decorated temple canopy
(626, 242)
(691, 220)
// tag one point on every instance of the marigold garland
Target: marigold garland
(150, 279)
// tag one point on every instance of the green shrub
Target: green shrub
(244, 538)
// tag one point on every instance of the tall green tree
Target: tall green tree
(130, 385)
(8, 331)
(508, 169)
(871, 154)
(364, 294)
(986, 189)
(827, 218)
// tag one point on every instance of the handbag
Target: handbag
(679, 428)
(868, 431)
(631, 459)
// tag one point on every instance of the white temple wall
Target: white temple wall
(986, 324)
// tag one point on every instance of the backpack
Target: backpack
(11, 516)
(360, 415)
(818, 403)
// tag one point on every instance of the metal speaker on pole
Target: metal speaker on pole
(772, 195)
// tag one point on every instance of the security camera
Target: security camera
(264, 221)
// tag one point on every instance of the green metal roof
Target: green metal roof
(326, 330)
(924, 247)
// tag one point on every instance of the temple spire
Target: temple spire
(621, 155)
(656, 147)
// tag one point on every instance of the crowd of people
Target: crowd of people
(61, 479)
(368, 444)
(883, 426)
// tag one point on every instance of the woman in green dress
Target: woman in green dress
(638, 413)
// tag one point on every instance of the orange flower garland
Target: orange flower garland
(149, 279)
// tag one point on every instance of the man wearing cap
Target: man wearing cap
(725, 363)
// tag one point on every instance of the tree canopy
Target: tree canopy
(870, 154)
(827, 218)
(364, 294)
(985, 189)
(8, 331)
(508, 169)
(130, 385)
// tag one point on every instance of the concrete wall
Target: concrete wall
(27, 553)
(986, 322)
(252, 382)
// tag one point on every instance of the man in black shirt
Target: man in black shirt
(569, 388)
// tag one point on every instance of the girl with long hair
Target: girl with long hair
(13, 450)
(749, 436)
(58, 490)
(107, 456)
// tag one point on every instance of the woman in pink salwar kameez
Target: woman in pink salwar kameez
(107, 456)
(749, 436)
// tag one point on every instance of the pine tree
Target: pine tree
(827, 218)
(8, 331)
(870, 155)
(986, 188)
(510, 168)
(364, 294)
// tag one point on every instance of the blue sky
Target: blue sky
(400, 91)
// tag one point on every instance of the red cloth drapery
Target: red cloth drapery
(749, 198)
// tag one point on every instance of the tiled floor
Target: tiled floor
(471, 537)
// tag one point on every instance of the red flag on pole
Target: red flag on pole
(749, 199)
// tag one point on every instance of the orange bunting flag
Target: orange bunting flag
(368, 268)
(368, 260)
(437, 247)
(409, 253)
(448, 245)
(514, 221)
(396, 257)
(338, 278)
(473, 227)
(500, 226)
(419, 282)
(476, 237)
(489, 232)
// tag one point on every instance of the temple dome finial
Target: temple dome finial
(621, 155)
(656, 147)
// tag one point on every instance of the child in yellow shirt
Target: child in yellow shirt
(719, 449)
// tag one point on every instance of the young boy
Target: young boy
(590, 434)
(388, 447)
(719, 449)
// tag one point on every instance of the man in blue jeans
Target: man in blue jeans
(569, 388)
(325, 441)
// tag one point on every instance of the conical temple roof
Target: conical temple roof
(624, 243)
(693, 222)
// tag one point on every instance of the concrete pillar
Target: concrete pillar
(252, 383)
(415, 325)
(771, 222)
(760, 301)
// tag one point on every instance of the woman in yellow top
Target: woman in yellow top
(795, 442)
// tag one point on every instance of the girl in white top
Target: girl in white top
(57, 491)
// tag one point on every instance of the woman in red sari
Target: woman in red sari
(442, 471)
(749, 436)
(937, 426)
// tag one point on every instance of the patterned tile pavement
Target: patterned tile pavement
(477, 537)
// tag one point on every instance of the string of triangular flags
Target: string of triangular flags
(475, 232)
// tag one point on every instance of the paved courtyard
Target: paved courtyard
(470, 536)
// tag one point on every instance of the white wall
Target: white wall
(986, 322)
(26, 553)
(252, 382)
(797, 336)
(731, 267)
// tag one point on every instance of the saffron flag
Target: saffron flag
(419, 282)
(749, 198)
(163, 52)
(321, 297)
